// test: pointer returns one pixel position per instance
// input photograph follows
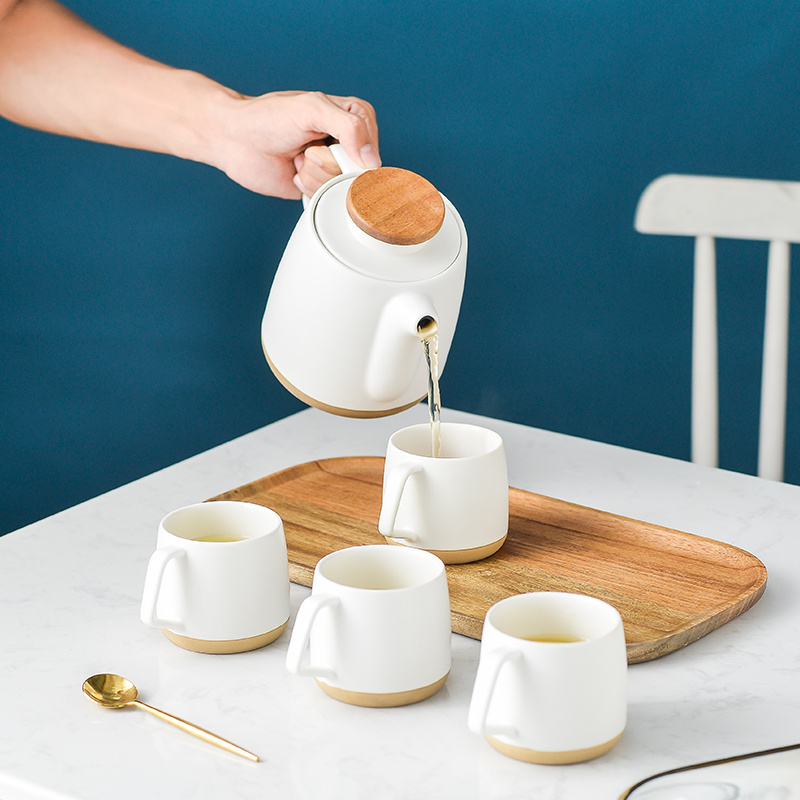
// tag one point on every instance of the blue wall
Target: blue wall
(132, 284)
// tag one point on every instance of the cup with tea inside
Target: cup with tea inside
(218, 581)
(454, 505)
(551, 681)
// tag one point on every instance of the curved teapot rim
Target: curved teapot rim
(391, 251)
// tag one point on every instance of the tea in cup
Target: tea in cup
(218, 581)
(551, 681)
(454, 505)
(376, 629)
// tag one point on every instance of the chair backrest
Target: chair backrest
(734, 208)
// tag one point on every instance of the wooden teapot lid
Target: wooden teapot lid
(395, 206)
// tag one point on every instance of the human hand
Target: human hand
(275, 144)
(63, 76)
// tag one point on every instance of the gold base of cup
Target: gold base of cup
(465, 556)
(545, 757)
(382, 700)
(225, 646)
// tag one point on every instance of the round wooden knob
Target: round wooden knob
(396, 206)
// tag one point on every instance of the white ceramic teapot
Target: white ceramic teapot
(375, 254)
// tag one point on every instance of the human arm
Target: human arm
(59, 74)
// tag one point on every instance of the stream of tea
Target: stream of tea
(428, 331)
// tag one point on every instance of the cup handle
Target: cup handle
(301, 636)
(482, 692)
(152, 588)
(394, 485)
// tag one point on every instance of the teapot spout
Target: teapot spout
(396, 358)
(427, 327)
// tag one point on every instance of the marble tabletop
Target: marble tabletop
(70, 588)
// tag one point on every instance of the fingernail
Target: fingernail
(299, 184)
(369, 157)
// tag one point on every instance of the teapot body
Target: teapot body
(340, 327)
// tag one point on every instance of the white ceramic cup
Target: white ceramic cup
(456, 505)
(376, 626)
(227, 594)
(551, 702)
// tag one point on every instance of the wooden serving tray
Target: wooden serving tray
(670, 587)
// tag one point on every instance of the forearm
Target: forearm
(59, 74)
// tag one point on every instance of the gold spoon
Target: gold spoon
(114, 691)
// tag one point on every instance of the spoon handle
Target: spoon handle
(196, 730)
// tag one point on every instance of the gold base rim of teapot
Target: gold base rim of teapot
(341, 412)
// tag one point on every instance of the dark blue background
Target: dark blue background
(132, 284)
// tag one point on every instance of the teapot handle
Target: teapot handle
(346, 165)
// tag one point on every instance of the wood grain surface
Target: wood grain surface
(395, 206)
(670, 587)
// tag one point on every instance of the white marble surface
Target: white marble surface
(69, 596)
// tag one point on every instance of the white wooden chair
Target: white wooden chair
(735, 208)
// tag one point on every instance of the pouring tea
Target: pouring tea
(428, 331)
(376, 256)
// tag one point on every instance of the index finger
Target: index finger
(350, 120)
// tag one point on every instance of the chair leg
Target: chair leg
(705, 392)
(772, 434)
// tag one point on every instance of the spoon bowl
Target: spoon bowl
(114, 691)
(111, 691)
